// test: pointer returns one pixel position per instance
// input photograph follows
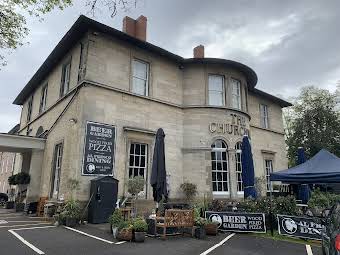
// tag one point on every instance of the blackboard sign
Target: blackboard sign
(299, 227)
(99, 149)
(238, 222)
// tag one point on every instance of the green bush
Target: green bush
(12, 180)
(20, 178)
(189, 190)
(116, 218)
(71, 209)
(139, 225)
(136, 185)
(322, 200)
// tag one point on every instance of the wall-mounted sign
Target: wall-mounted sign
(299, 227)
(237, 126)
(238, 222)
(99, 149)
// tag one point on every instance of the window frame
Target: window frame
(58, 147)
(227, 170)
(238, 167)
(43, 98)
(264, 116)
(269, 187)
(238, 96)
(146, 80)
(223, 92)
(29, 109)
(64, 92)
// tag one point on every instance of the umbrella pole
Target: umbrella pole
(271, 210)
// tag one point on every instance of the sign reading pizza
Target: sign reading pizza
(238, 222)
(99, 149)
(299, 227)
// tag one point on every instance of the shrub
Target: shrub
(189, 190)
(116, 218)
(71, 209)
(139, 225)
(217, 206)
(20, 178)
(136, 185)
(12, 180)
(322, 200)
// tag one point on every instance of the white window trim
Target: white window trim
(239, 96)
(266, 175)
(228, 170)
(147, 76)
(223, 89)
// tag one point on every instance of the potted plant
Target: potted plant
(140, 227)
(199, 231)
(71, 213)
(125, 231)
(115, 221)
(211, 227)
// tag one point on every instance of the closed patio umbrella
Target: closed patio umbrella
(158, 174)
(248, 174)
(304, 190)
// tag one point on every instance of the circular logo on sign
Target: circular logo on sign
(289, 225)
(216, 218)
(90, 168)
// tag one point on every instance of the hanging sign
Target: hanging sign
(299, 227)
(99, 149)
(238, 222)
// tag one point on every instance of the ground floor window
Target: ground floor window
(238, 163)
(138, 156)
(56, 171)
(268, 171)
(219, 162)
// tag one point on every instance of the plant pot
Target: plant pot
(140, 237)
(19, 207)
(125, 234)
(9, 204)
(200, 232)
(211, 229)
(114, 231)
(71, 222)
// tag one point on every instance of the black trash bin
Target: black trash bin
(103, 198)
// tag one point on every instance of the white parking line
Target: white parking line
(86, 234)
(121, 242)
(309, 249)
(218, 245)
(26, 243)
(23, 225)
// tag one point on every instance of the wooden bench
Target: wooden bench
(175, 218)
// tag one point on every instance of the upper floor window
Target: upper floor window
(236, 94)
(140, 77)
(43, 99)
(264, 116)
(216, 90)
(29, 109)
(65, 78)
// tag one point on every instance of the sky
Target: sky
(290, 44)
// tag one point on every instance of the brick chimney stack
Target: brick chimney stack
(199, 51)
(135, 28)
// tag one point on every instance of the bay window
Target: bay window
(216, 90)
(236, 94)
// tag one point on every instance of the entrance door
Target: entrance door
(56, 170)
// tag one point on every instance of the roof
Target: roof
(324, 167)
(14, 129)
(275, 99)
(84, 24)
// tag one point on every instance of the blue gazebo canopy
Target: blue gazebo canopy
(324, 167)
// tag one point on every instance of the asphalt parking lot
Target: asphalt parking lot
(24, 235)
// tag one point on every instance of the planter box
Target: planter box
(10, 205)
(20, 207)
(211, 229)
(71, 222)
(125, 235)
(139, 237)
(200, 232)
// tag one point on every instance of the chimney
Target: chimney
(199, 51)
(135, 28)
(141, 23)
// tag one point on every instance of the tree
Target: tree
(313, 123)
(13, 13)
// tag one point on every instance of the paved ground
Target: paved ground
(21, 235)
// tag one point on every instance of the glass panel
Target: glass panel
(219, 176)
(214, 186)
(137, 160)
(139, 86)
(215, 98)
(143, 149)
(216, 82)
(214, 176)
(130, 172)
(140, 69)
(137, 149)
(213, 156)
(219, 186)
(142, 163)
(213, 165)
(225, 186)
(219, 165)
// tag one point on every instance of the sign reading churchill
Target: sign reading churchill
(99, 149)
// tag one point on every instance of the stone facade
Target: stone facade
(6, 169)
(177, 102)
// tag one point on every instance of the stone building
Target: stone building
(94, 106)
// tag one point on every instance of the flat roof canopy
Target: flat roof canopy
(20, 143)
